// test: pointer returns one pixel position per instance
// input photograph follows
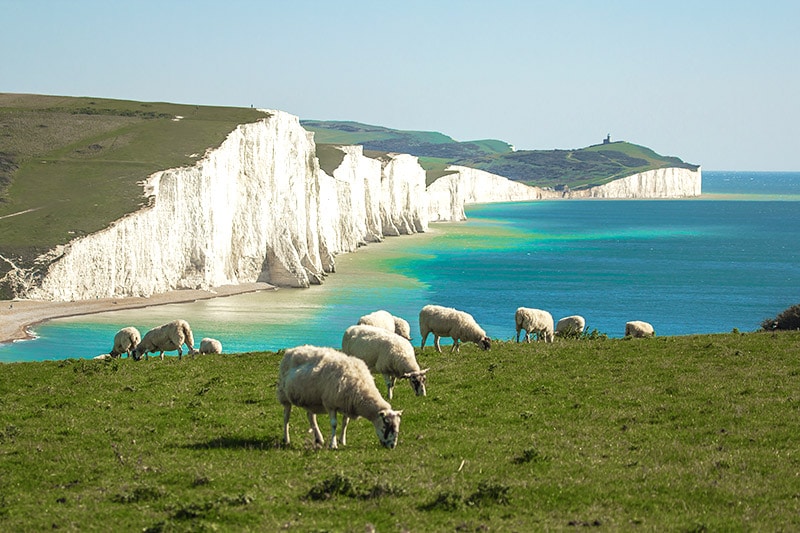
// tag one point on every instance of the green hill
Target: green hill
(578, 168)
(435, 150)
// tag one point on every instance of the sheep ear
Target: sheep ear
(423, 372)
(407, 375)
(399, 413)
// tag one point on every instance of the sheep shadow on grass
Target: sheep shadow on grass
(238, 443)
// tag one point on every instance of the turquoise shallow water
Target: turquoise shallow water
(707, 265)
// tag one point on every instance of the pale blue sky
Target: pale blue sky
(716, 83)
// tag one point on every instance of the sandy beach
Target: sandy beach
(17, 316)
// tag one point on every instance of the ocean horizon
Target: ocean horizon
(728, 259)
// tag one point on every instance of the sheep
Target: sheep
(209, 345)
(570, 326)
(325, 380)
(449, 322)
(637, 328)
(533, 321)
(125, 341)
(384, 319)
(386, 353)
(165, 338)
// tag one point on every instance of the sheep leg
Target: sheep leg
(162, 355)
(287, 411)
(332, 415)
(390, 381)
(436, 343)
(424, 338)
(345, 421)
(312, 420)
(518, 330)
(455, 347)
(180, 352)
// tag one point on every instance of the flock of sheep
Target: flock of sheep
(328, 381)
(165, 338)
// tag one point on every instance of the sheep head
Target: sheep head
(387, 426)
(485, 343)
(417, 380)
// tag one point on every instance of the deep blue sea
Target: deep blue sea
(726, 260)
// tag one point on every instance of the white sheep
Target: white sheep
(384, 319)
(570, 325)
(385, 353)
(637, 328)
(209, 345)
(165, 338)
(125, 341)
(534, 321)
(449, 322)
(324, 380)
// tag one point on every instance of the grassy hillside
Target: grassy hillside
(70, 166)
(694, 433)
(578, 168)
(435, 150)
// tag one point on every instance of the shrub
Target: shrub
(788, 319)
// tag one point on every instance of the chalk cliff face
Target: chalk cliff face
(448, 194)
(260, 208)
(659, 183)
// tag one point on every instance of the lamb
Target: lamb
(449, 322)
(165, 338)
(209, 345)
(386, 353)
(325, 380)
(637, 328)
(384, 319)
(570, 325)
(125, 341)
(534, 321)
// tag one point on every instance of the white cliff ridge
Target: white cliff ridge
(669, 182)
(448, 195)
(260, 208)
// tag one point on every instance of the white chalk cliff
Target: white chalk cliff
(260, 208)
(669, 182)
(448, 195)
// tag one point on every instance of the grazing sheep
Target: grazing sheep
(386, 353)
(449, 322)
(165, 338)
(209, 345)
(324, 380)
(534, 321)
(570, 325)
(637, 328)
(125, 341)
(384, 319)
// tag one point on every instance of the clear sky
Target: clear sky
(714, 82)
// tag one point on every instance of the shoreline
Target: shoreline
(18, 316)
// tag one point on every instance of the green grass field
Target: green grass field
(694, 433)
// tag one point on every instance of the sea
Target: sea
(726, 260)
